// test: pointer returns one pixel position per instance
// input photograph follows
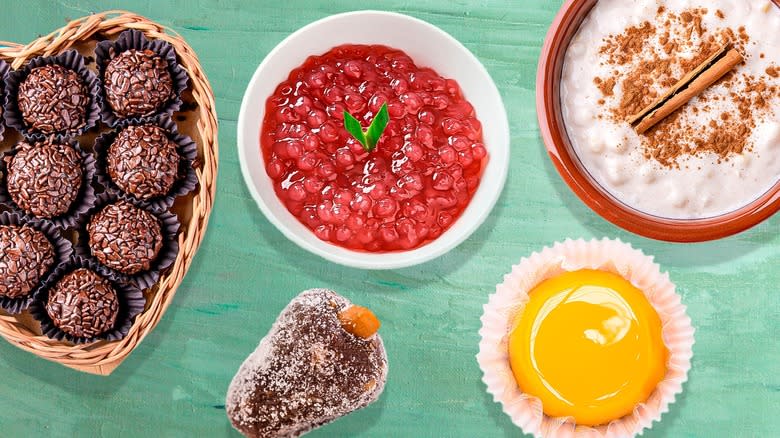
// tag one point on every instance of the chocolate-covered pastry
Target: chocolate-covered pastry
(137, 83)
(25, 257)
(321, 360)
(44, 179)
(143, 161)
(53, 99)
(83, 304)
(124, 237)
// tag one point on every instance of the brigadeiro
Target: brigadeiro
(44, 178)
(125, 238)
(25, 256)
(83, 303)
(150, 162)
(133, 242)
(52, 96)
(53, 99)
(140, 78)
(29, 252)
(143, 162)
(137, 83)
(49, 179)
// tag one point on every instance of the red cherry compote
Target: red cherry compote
(403, 194)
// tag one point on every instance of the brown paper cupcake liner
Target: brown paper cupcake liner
(71, 60)
(131, 304)
(62, 252)
(133, 39)
(169, 225)
(84, 201)
(186, 181)
(4, 69)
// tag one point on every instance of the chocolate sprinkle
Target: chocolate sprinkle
(143, 161)
(44, 179)
(137, 83)
(53, 99)
(25, 257)
(83, 304)
(125, 238)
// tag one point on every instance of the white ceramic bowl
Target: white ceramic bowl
(428, 46)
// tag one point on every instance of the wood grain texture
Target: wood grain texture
(246, 271)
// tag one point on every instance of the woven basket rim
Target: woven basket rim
(103, 357)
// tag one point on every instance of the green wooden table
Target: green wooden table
(174, 384)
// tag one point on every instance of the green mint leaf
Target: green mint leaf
(377, 127)
(370, 137)
(352, 125)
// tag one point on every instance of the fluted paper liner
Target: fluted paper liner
(4, 69)
(510, 298)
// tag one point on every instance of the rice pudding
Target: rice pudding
(718, 152)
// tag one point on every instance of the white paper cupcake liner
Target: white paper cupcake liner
(510, 298)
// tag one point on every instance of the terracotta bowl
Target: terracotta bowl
(553, 131)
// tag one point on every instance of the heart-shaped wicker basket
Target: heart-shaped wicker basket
(198, 120)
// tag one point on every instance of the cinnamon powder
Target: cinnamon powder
(606, 86)
(655, 70)
(628, 44)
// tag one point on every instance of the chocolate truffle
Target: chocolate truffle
(125, 238)
(83, 304)
(44, 179)
(137, 83)
(53, 99)
(25, 257)
(143, 161)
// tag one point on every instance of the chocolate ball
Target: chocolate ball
(25, 257)
(83, 304)
(137, 83)
(53, 99)
(143, 161)
(125, 238)
(44, 179)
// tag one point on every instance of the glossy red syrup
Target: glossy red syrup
(406, 192)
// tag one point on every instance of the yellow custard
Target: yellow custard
(589, 345)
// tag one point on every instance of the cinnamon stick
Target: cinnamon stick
(691, 85)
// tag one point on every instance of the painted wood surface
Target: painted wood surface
(246, 271)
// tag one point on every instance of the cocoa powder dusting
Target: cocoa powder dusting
(647, 63)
